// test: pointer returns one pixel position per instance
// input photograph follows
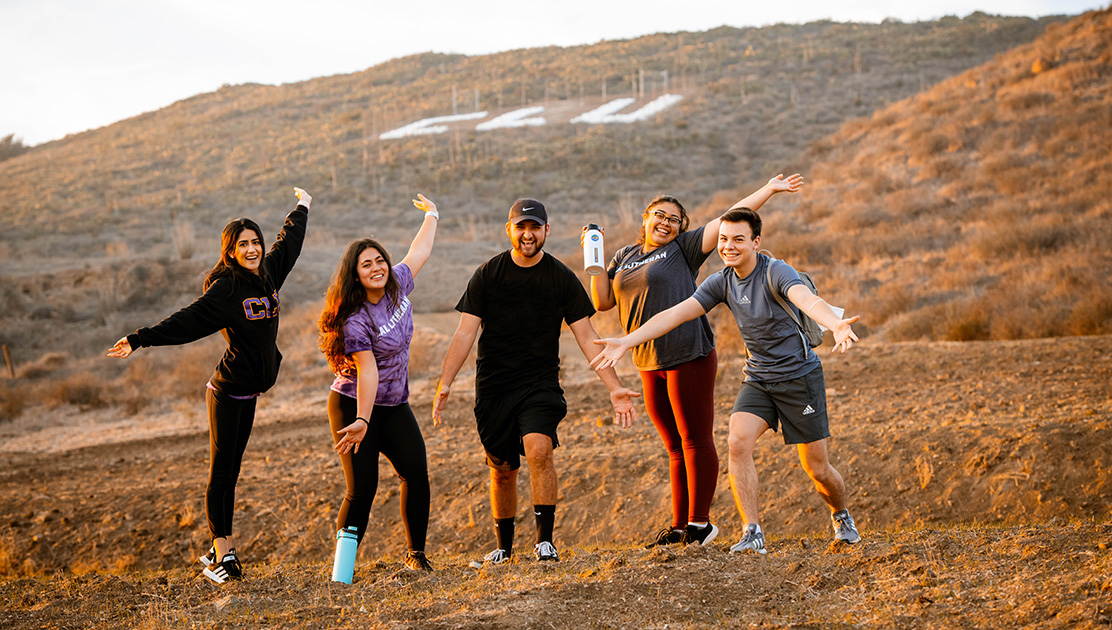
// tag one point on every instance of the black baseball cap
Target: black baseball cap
(528, 210)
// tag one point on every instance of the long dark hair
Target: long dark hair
(227, 265)
(345, 296)
(656, 201)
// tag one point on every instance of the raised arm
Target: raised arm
(620, 397)
(819, 310)
(754, 202)
(421, 248)
(602, 291)
(657, 325)
(458, 349)
(366, 390)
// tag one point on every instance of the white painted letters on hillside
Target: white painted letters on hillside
(608, 113)
(429, 125)
(516, 118)
(525, 117)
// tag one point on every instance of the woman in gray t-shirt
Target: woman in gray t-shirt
(678, 369)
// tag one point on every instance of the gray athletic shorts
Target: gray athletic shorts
(503, 419)
(799, 405)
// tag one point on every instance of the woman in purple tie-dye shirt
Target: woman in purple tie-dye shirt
(365, 331)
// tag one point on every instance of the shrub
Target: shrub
(13, 399)
(81, 390)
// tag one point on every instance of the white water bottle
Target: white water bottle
(347, 541)
(592, 250)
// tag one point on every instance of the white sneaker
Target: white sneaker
(753, 540)
(546, 551)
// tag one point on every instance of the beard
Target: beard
(529, 250)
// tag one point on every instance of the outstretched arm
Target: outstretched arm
(657, 325)
(458, 350)
(754, 201)
(818, 309)
(421, 248)
(620, 397)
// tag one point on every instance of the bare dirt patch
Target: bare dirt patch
(978, 474)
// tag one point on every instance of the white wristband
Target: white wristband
(432, 213)
(813, 304)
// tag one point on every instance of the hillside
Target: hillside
(979, 209)
(753, 99)
(97, 225)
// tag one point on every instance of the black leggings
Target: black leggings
(393, 431)
(230, 422)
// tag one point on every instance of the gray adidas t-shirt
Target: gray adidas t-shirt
(777, 351)
(645, 284)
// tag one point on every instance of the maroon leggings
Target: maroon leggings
(680, 402)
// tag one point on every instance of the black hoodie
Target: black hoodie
(244, 307)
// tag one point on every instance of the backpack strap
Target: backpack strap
(781, 301)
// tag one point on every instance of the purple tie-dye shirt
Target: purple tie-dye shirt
(385, 330)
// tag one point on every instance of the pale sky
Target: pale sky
(71, 65)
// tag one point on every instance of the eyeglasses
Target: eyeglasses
(660, 216)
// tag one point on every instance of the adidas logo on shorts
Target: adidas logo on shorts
(808, 410)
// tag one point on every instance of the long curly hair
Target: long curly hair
(656, 201)
(227, 265)
(344, 297)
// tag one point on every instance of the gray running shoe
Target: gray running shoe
(666, 536)
(844, 529)
(753, 540)
(546, 552)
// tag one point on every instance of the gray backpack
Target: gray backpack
(808, 328)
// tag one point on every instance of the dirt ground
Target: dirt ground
(977, 473)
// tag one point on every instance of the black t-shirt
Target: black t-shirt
(521, 309)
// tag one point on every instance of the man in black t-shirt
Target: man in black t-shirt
(519, 298)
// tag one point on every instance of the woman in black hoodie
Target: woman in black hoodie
(240, 300)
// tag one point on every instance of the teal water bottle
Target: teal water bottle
(347, 541)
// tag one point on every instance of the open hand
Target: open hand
(425, 205)
(351, 437)
(303, 198)
(791, 184)
(622, 400)
(844, 335)
(121, 350)
(609, 356)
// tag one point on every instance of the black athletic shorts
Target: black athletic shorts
(799, 405)
(504, 418)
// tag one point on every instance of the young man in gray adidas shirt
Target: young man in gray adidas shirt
(784, 385)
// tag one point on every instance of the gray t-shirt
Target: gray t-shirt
(777, 351)
(645, 284)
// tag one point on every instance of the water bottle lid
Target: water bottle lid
(593, 226)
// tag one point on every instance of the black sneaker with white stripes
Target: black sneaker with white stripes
(209, 557)
(666, 536)
(228, 568)
(701, 535)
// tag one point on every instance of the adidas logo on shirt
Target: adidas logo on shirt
(808, 410)
(744, 299)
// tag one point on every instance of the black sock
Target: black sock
(504, 532)
(546, 520)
